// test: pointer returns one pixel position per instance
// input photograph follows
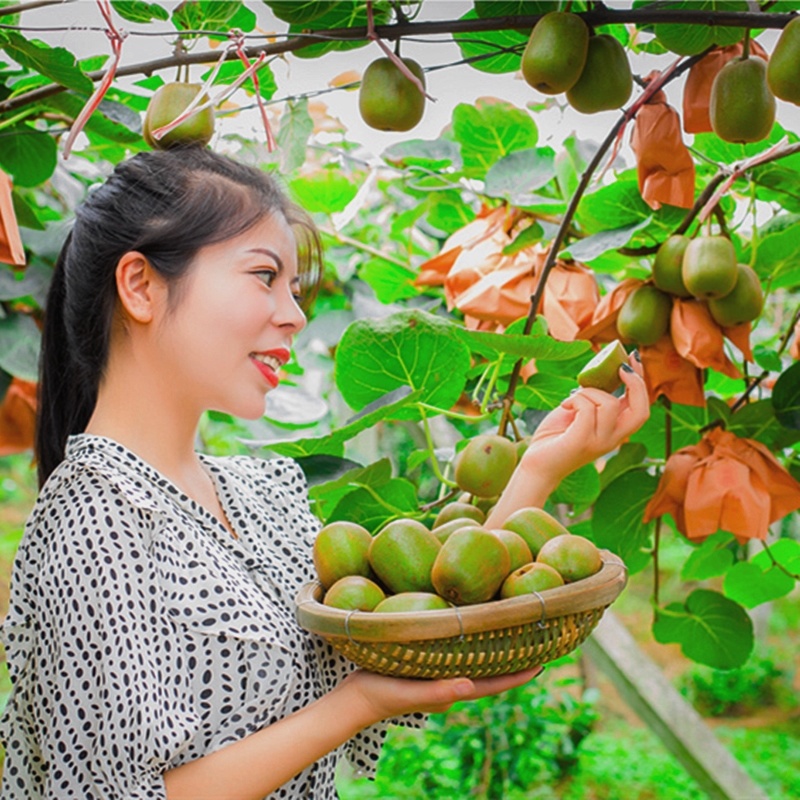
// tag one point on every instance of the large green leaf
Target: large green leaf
(57, 63)
(410, 348)
(713, 557)
(786, 397)
(492, 51)
(516, 176)
(338, 15)
(617, 519)
(325, 191)
(28, 155)
(490, 130)
(205, 15)
(629, 456)
(760, 579)
(688, 40)
(19, 346)
(710, 628)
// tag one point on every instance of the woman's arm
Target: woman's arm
(258, 764)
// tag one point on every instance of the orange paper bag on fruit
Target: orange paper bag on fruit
(17, 417)
(727, 483)
(664, 167)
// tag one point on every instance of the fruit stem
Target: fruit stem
(452, 414)
(746, 45)
(492, 383)
(432, 450)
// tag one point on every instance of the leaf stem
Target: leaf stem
(366, 248)
(431, 448)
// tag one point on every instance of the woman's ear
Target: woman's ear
(140, 288)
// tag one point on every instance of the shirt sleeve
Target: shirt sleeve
(101, 703)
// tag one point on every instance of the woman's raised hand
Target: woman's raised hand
(589, 424)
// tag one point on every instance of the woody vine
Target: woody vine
(575, 235)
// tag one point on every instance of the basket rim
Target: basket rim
(596, 591)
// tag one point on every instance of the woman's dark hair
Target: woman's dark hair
(166, 205)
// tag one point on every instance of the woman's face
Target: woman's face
(231, 328)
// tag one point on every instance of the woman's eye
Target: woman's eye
(267, 275)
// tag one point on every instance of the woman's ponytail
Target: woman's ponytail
(63, 405)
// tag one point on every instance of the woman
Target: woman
(151, 637)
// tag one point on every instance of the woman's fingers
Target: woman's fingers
(635, 406)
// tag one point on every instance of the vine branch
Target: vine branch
(599, 15)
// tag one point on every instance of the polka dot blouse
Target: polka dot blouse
(142, 635)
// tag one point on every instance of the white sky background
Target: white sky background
(294, 76)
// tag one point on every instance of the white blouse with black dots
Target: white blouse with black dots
(142, 635)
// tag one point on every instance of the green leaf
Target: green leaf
(751, 585)
(339, 15)
(19, 346)
(619, 205)
(710, 628)
(396, 499)
(410, 348)
(767, 358)
(713, 557)
(489, 130)
(515, 176)
(321, 469)
(333, 443)
(139, 11)
(30, 156)
(231, 70)
(686, 423)
(630, 456)
(786, 397)
(543, 391)
(27, 211)
(111, 120)
(778, 257)
(617, 519)
(493, 51)
(533, 346)
(56, 63)
(692, 39)
(593, 246)
(325, 496)
(434, 154)
(447, 212)
(528, 236)
(512, 8)
(294, 130)
(300, 11)
(325, 191)
(760, 579)
(390, 282)
(579, 489)
(205, 15)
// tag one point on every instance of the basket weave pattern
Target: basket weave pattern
(474, 641)
(477, 655)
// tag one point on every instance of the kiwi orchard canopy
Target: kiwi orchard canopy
(542, 183)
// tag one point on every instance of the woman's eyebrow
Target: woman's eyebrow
(267, 252)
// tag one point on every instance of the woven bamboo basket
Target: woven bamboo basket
(475, 641)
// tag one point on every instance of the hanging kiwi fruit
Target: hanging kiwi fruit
(168, 102)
